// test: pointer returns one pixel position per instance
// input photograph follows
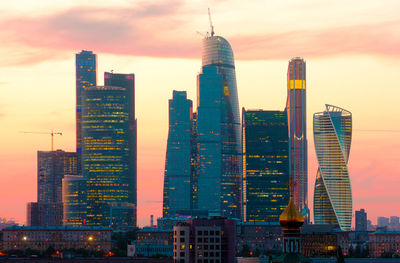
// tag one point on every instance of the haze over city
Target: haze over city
(351, 48)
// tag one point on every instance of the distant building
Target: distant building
(266, 165)
(333, 200)
(370, 227)
(44, 214)
(178, 173)
(384, 244)
(394, 221)
(4, 222)
(383, 221)
(205, 240)
(74, 200)
(108, 134)
(52, 166)
(86, 76)
(154, 241)
(361, 220)
(60, 238)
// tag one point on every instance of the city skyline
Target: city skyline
(261, 84)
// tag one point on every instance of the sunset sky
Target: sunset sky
(352, 50)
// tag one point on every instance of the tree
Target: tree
(339, 255)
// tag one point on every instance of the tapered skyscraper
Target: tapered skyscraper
(296, 113)
(86, 76)
(177, 178)
(219, 133)
(332, 196)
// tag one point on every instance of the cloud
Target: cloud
(381, 39)
(163, 29)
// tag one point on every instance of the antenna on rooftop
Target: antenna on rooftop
(211, 25)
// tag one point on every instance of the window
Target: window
(182, 254)
(182, 239)
(182, 247)
(199, 232)
(182, 233)
(211, 232)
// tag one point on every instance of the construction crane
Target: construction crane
(211, 25)
(52, 133)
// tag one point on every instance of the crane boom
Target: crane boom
(52, 133)
(211, 25)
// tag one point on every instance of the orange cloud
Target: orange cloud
(161, 30)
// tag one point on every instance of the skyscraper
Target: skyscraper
(86, 76)
(265, 165)
(333, 202)
(74, 200)
(51, 168)
(219, 133)
(361, 220)
(296, 112)
(177, 178)
(127, 81)
(107, 135)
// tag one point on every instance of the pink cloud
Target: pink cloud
(163, 30)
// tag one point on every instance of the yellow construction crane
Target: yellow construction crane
(52, 133)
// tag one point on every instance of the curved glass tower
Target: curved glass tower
(332, 195)
(219, 132)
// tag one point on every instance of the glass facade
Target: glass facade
(219, 133)
(265, 165)
(178, 173)
(106, 153)
(127, 81)
(333, 202)
(86, 76)
(74, 200)
(297, 126)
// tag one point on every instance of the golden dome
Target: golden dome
(291, 217)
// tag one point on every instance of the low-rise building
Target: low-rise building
(58, 237)
(318, 241)
(259, 236)
(205, 240)
(384, 244)
(153, 241)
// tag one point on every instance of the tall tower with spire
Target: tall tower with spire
(297, 125)
(219, 133)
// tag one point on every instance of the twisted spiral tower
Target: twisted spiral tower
(332, 195)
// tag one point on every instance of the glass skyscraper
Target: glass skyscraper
(219, 133)
(127, 81)
(265, 165)
(86, 76)
(297, 126)
(333, 202)
(74, 200)
(178, 173)
(107, 153)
